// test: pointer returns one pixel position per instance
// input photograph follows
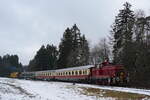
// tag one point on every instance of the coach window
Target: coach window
(76, 72)
(84, 72)
(64, 73)
(72, 72)
(88, 71)
(80, 72)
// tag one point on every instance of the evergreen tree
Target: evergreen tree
(45, 59)
(73, 49)
(75, 55)
(123, 32)
(65, 49)
(52, 56)
(142, 33)
(85, 53)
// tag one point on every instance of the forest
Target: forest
(128, 44)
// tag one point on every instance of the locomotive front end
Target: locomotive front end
(121, 76)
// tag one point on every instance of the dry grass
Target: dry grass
(113, 94)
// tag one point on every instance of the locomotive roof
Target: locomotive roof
(75, 68)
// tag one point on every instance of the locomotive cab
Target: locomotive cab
(106, 73)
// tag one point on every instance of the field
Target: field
(14, 89)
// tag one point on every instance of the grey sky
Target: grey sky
(27, 24)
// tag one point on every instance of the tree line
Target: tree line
(73, 51)
(8, 64)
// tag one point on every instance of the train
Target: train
(102, 74)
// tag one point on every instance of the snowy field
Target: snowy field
(14, 89)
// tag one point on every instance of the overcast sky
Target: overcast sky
(27, 24)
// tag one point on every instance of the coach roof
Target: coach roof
(75, 68)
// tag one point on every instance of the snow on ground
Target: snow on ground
(15, 89)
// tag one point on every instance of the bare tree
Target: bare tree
(100, 52)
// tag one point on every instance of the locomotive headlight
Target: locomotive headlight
(114, 80)
(117, 78)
